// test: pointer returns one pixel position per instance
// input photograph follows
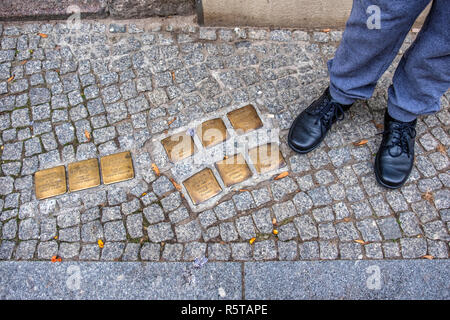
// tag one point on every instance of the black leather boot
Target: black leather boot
(311, 126)
(395, 157)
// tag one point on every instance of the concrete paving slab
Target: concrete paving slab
(372, 280)
(407, 279)
(109, 280)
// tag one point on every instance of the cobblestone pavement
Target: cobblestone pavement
(127, 83)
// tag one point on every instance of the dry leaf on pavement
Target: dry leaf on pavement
(428, 196)
(87, 135)
(282, 175)
(156, 169)
(56, 259)
(360, 143)
(176, 185)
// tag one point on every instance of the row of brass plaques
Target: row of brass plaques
(83, 175)
(211, 133)
(203, 185)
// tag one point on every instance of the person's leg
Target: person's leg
(361, 59)
(421, 78)
(364, 54)
(423, 74)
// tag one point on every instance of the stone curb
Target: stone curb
(18, 10)
(409, 279)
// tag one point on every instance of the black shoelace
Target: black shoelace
(330, 111)
(401, 133)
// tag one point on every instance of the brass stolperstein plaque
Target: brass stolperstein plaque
(179, 146)
(233, 170)
(212, 132)
(202, 186)
(117, 167)
(50, 182)
(83, 175)
(266, 157)
(245, 119)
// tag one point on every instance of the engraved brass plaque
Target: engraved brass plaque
(202, 186)
(266, 157)
(179, 146)
(212, 132)
(245, 119)
(83, 175)
(233, 170)
(50, 182)
(117, 167)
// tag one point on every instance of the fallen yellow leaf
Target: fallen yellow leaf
(252, 240)
(360, 242)
(56, 259)
(275, 231)
(43, 35)
(10, 78)
(360, 143)
(145, 193)
(100, 243)
(176, 185)
(428, 196)
(441, 149)
(87, 134)
(156, 169)
(282, 175)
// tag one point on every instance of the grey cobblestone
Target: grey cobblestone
(152, 81)
(284, 210)
(264, 250)
(112, 251)
(150, 252)
(217, 251)
(413, 247)
(90, 252)
(389, 228)
(350, 250)
(309, 250)
(225, 210)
